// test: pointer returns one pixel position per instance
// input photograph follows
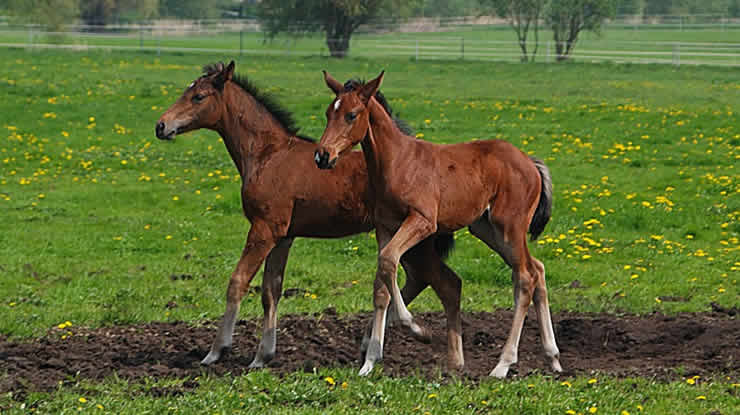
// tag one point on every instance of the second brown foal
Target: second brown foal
(420, 188)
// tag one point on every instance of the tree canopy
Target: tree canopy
(521, 15)
(567, 18)
(338, 19)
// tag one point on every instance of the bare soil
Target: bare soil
(655, 345)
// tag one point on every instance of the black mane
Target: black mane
(283, 116)
(402, 125)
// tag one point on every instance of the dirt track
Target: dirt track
(703, 344)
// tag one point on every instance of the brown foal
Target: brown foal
(284, 196)
(421, 188)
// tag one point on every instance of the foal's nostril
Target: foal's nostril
(321, 159)
(159, 129)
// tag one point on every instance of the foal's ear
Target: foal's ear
(225, 75)
(370, 88)
(332, 83)
(229, 71)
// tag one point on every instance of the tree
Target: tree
(445, 8)
(630, 7)
(521, 14)
(338, 19)
(194, 9)
(53, 15)
(102, 12)
(734, 8)
(568, 18)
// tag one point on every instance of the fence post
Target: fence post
(141, 36)
(158, 50)
(417, 50)
(30, 36)
(547, 54)
(462, 48)
(677, 54)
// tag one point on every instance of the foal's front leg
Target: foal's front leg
(272, 289)
(259, 243)
(412, 288)
(413, 229)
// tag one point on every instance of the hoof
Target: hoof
(366, 368)
(421, 333)
(500, 371)
(214, 356)
(210, 358)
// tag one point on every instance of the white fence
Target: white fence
(243, 37)
(675, 53)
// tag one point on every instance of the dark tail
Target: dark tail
(544, 207)
(444, 243)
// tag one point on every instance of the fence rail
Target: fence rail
(246, 39)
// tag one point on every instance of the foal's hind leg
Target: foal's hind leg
(272, 289)
(512, 246)
(543, 317)
(447, 285)
(259, 244)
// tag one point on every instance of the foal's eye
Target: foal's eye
(198, 98)
(350, 116)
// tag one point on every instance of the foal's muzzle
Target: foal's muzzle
(321, 157)
(159, 129)
(164, 133)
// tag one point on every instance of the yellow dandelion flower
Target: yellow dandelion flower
(330, 380)
(82, 400)
(592, 409)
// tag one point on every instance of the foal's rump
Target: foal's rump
(489, 175)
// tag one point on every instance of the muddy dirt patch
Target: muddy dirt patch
(654, 345)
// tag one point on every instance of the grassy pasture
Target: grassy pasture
(101, 221)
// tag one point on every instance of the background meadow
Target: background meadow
(103, 224)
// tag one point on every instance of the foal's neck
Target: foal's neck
(382, 141)
(251, 133)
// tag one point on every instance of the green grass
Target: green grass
(342, 392)
(97, 213)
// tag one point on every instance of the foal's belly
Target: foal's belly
(310, 222)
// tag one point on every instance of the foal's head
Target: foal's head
(199, 106)
(347, 119)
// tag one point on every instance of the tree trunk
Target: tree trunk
(338, 33)
(338, 45)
